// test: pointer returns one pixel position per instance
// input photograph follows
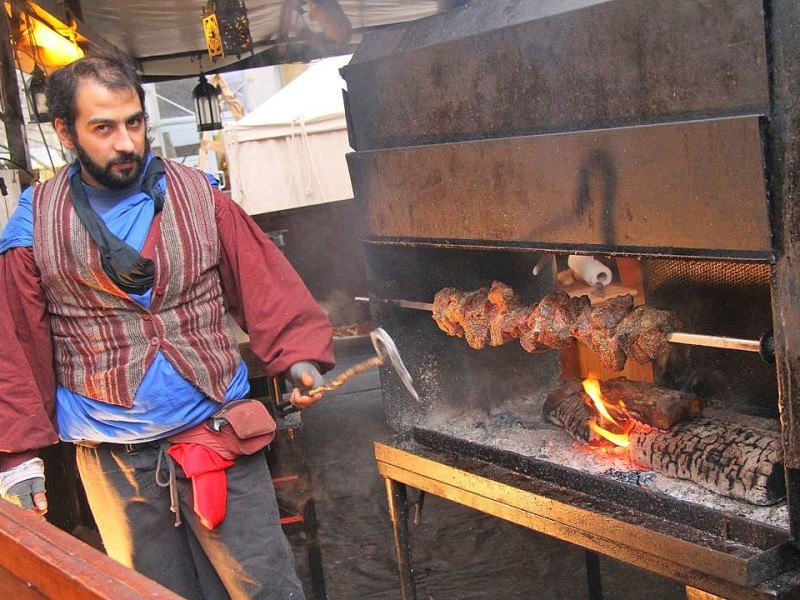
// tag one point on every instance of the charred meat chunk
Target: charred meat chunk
(552, 320)
(593, 325)
(643, 333)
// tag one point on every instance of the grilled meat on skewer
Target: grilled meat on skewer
(643, 333)
(553, 318)
(508, 316)
(615, 330)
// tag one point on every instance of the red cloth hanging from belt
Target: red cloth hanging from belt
(206, 469)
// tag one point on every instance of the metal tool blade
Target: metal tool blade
(387, 350)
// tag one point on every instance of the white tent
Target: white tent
(290, 151)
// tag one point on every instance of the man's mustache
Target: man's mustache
(126, 158)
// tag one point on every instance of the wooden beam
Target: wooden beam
(50, 563)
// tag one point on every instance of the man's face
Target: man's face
(110, 136)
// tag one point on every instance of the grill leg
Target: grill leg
(398, 513)
(593, 575)
(314, 552)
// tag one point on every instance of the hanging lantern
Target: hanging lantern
(40, 45)
(226, 28)
(206, 106)
(37, 98)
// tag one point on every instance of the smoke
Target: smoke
(343, 310)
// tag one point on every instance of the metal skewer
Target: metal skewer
(762, 346)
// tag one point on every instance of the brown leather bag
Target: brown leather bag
(239, 427)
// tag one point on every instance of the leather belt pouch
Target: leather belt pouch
(240, 427)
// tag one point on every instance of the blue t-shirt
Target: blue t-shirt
(165, 402)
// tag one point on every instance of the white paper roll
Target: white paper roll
(589, 269)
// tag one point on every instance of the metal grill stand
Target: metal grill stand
(591, 523)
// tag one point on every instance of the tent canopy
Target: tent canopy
(166, 39)
(290, 151)
(313, 99)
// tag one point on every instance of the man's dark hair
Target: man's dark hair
(62, 86)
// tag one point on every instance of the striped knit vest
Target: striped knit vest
(103, 341)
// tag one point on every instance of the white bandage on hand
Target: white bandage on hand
(18, 485)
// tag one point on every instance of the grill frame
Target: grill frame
(431, 116)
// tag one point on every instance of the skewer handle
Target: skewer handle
(286, 408)
(362, 367)
(714, 341)
(402, 303)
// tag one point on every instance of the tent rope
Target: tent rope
(306, 157)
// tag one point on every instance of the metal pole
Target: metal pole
(593, 575)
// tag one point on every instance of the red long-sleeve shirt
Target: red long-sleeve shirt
(262, 292)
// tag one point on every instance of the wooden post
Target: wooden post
(12, 116)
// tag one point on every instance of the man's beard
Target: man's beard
(105, 174)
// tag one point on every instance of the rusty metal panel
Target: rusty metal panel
(519, 67)
(783, 135)
(694, 188)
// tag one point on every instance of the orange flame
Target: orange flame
(612, 422)
(618, 439)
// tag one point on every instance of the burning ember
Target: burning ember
(611, 422)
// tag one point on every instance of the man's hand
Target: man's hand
(29, 494)
(24, 486)
(304, 376)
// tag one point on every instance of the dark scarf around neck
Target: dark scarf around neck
(132, 273)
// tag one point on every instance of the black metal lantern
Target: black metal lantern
(37, 84)
(206, 106)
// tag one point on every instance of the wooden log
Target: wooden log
(650, 404)
(730, 459)
(733, 460)
(656, 406)
(566, 407)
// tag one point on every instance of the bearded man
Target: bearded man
(118, 276)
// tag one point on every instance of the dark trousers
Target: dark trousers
(245, 556)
